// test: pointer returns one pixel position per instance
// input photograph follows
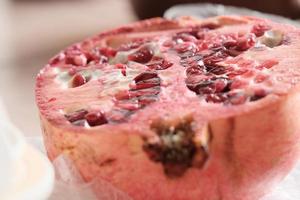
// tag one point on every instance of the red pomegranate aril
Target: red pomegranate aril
(237, 83)
(145, 75)
(206, 87)
(57, 59)
(78, 80)
(142, 55)
(220, 85)
(72, 71)
(237, 98)
(258, 94)
(193, 70)
(145, 100)
(267, 64)
(132, 45)
(230, 43)
(260, 78)
(216, 98)
(185, 37)
(245, 42)
(122, 95)
(77, 115)
(144, 92)
(233, 52)
(141, 86)
(239, 72)
(183, 47)
(108, 52)
(190, 60)
(94, 56)
(260, 29)
(80, 60)
(118, 115)
(217, 57)
(160, 66)
(168, 43)
(122, 67)
(217, 70)
(164, 65)
(95, 118)
(131, 104)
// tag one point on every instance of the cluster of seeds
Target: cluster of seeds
(215, 82)
(201, 53)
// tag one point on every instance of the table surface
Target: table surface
(32, 32)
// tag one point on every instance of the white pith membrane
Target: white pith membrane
(105, 81)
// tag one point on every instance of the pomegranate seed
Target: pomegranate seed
(245, 42)
(230, 43)
(205, 87)
(145, 100)
(216, 69)
(202, 45)
(108, 52)
(159, 64)
(131, 45)
(193, 70)
(258, 94)
(80, 60)
(149, 91)
(72, 71)
(145, 75)
(78, 80)
(168, 43)
(122, 95)
(267, 64)
(233, 52)
(141, 86)
(57, 59)
(77, 115)
(237, 98)
(185, 37)
(249, 73)
(237, 83)
(128, 105)
(216, 98)
(122, 67)
(260, 78)
(164, 65)
(183, 47)
(237, 73)
(142, 55)
(215, 58)
(220, 85)
(260, 29)
(95, 57)
(95, 118)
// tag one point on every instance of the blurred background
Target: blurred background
(32, 31)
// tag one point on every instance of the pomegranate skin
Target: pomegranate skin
(249, 147)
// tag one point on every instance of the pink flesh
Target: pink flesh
(175, 101)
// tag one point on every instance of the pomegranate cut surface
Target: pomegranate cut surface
(182, 109)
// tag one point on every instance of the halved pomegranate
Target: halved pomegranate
(182, 109)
